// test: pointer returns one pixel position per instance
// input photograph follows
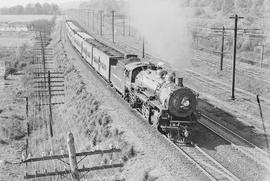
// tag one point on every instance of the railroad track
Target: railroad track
(208, 165)
(251, 74)
(241, 144)
(241, 93)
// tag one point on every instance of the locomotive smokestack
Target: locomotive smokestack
(179, 82)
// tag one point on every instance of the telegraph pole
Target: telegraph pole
(262, 56)
(27, 124)
(72, 157)
(113, 26)
(50, 105)
(124, 28)
(222, 48)
(88, 16)
(143, 48)
(101, 15)
(93, 21)
(235, 17)
(74, 169)
(128, 26)
(235, 29)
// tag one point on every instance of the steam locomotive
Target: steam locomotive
(157, 94)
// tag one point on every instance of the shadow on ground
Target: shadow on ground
(206, 138)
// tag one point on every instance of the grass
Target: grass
(148, 177)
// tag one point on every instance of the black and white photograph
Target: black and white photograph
(135, 90)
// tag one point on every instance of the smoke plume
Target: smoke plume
(163, 25)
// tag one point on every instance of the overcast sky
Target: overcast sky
(7, 3)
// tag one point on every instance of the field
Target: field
(15, 39)
(23, 18)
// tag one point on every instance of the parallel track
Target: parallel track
(251, 74)
(241, 144)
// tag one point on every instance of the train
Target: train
(156, 93)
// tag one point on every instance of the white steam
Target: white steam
(163, 25)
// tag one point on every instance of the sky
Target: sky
(8, 3)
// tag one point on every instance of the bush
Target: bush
(9, 71)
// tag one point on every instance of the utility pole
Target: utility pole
(143, 47)
(124, 28)
(88, 16)
(72, 157)
(128, 26)
(235, 29)
(222, 48)
(235, 17)
(27, 124)
(263, 124)
(93, 21)
(113, 26)
(101, 21)
(73, 163)
(50, 104)
(222, 44)
(262, 54)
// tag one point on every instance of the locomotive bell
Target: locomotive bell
(179, 81)
(169, 78)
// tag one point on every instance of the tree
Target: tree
(28, 9)
(47, 9)
(38, 9)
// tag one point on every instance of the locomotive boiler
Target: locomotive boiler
(169, 91)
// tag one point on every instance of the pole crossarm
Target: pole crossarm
(42, 94)
(55, 103)
(55, 77)
(42, 73)
(64, 172)
(51, 157)
(62, 85)
(56, 90)
(55, 81)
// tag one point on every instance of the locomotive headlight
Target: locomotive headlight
(185, 102)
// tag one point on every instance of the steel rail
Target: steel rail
(263, 159)
(208, 165)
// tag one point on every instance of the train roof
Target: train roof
(73, 27)
(104, 48)
(133, 65)
(99, 45)
(84, 35)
